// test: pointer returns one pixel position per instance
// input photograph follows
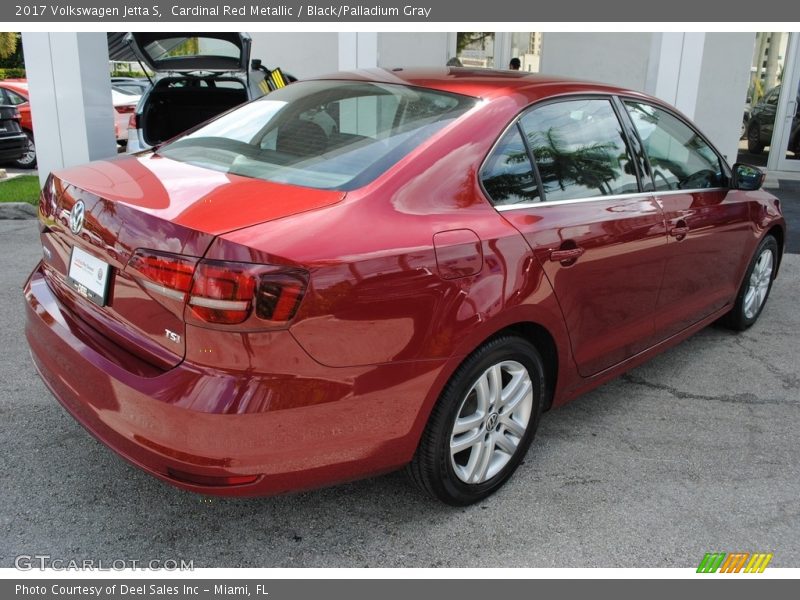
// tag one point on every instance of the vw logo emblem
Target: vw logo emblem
(76, 217)
(491, 422)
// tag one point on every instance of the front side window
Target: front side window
(680, 159)
(321, 134)
(507, 174)
(579, 149)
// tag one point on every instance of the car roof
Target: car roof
(15, 84)
(482, 83)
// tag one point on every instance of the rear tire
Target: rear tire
(756, 286)
(754, 144)
(483, 423)
(28, 161)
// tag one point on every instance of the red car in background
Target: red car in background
(15, 92)
(386, 268)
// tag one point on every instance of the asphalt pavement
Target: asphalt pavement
(694, 452)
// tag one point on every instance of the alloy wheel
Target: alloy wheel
(491, 422)
(758, 286)
(29, 158)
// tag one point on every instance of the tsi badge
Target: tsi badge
(172, 336)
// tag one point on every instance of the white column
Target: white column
(70, 96)
(502, 49)
(358, 50)
(673, 72)
(452, 45)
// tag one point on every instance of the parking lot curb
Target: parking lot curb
(17, 210)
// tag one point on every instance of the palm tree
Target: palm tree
(592, 166)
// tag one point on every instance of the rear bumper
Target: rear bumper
(13, 147)
(347, 423)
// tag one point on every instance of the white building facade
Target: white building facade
(708, 76)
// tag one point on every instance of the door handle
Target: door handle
(678, 231)
(562, 256)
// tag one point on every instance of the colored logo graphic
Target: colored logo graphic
(735, 562)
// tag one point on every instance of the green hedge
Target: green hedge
(127, 74)
(15, 73)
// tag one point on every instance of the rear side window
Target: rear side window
(162, 48)
(321, 134)
(579, 149)
(507, 174)
(14, 98)
(680, 159)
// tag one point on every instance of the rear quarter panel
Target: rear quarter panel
(376, 292)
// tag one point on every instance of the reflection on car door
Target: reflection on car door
(599, 239)
(707, 223)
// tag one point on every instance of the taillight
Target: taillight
(223, 292)
(48, 197)
(133, 122)
(125, 109)
(279, 295)
(220, 292)
(229, 293)
(167, 276)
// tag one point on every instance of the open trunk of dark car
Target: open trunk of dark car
(179, 103)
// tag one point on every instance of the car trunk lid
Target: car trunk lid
(151, 204)
(189, 52)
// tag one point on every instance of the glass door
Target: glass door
(787, 117)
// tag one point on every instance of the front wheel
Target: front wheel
(483, 423)
(756, 286)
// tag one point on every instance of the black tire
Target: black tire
(432, 468)
(754, 143)
(29, 160)
(738, 318)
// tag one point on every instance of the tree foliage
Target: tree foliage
(11, 50)
(466, 38)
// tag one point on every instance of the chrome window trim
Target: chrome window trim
(655, 194)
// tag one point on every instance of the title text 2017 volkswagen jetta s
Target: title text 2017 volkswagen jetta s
(387, 268)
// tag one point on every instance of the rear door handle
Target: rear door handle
(569, 254)
(679, 231)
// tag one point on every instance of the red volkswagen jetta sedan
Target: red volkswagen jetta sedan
(383, 269)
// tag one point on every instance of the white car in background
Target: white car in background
(124, 107)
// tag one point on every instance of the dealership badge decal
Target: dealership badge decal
(734, 562)
(76, 217)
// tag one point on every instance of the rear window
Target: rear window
(176, 47)
(320, 134)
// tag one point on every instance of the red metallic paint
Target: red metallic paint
(20, 87)
(408, 275)
(608, 295)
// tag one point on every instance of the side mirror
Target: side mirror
(747, 177)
